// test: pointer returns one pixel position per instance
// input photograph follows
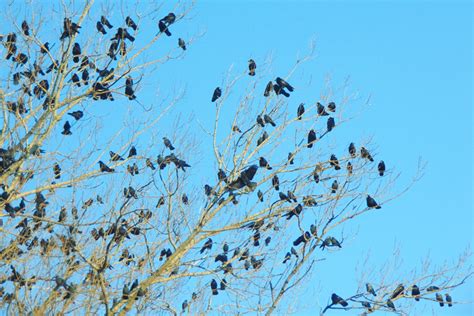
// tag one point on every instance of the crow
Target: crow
(332, 106)
(352, 150)
(85, 76)
(284, 84)
(169, 19)
(276, 182)
(303, 238)
(106, 22)
(449, 300)
(105, 168)
(236, 129)
(66, 129)
(390, 304)
(260, 121)
(370, 289)
(331, 124)
(349, 168)
(57, 171)
(311, 138)
(334, 186)
(167, 143)
(287, 257)
(163, 28)
(252, 67)
(371, 203)
(364, 153)
(398, 291)
(264, 163)
(114, 156)
(321, 110)
(291, 158)
(279, 90)
(415, 291)
(269, 120)
(260, 196)
(381, 168)
(214, 287)
(181, 43)
(336, 299)
(207, 245)
(76, 52)
(221, 175)
(439, 299)
(268, 89)
(300, 111)
(334, 162)
(44, 48)
(100, 27)
(432, 288)
(216, 95)
(294, 212)
(132, 152)
(131, 23)
(75, 79)
(129, 89)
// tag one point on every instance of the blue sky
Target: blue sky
(414, 60)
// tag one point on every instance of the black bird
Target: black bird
(167, 143)
(223, 284)
(181, 43)
(256, 238)
(129, 89)
(269, 120)
(321, 110)
(294, 212)
(260, 121)
(300, 111)
(57, 171)
(214, 287)
(25, 28)
(283, 197)
(303, 238)
(268, 89)
(132, 152)
(313, 229)
(291, 196)
(169, 19)
(75, 79)
(115, 156)
(371, 203)
(335, 242)
(113, 50)
(390, 304)
(331, 124)
(77, 115)
(106, 22)
(44, 48)
(294, 252)
(415, 291)
(352, 150)
(332, 106)
(221, 175)
(149, 164)
(264, 163)
(449, 300)
(163, 28)
(279, 90)
(216, 95)
(260, 196)
(334, 186)
(207, 245)
(398, 291)
(105, 168)
(311, 138)
(252, 67)
(349, 168)
(284, 84)
(439, 299)
(432, 288)
(130, 23)
(66, 129)
(334, 162)
(291, 158)
(381, 168)
(267, 240)
(100, 27)
(76, 52)
(287, 257)
(276, 182)
(364, 153)
(370, 289)
(336, 299)
(85, 76)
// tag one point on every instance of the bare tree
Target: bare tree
(105, 219)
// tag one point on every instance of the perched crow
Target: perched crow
(352, 150)
(267, 240)
(185, 199)
(336, 299)
(115, 156)
(169, 19)
(216, 95)
(332, 106)
(415, 291)
(303, 238)
(432, 288)
(130, 23)
(256, 238)
(76, 52)
(182, 43)
(279, 90)
(163, 28)
(77, 115)
(66, 129)
(106, 22)
(449, 300)
(221, 175)
(105, 168)
(381, 168)
(85, 76)
(132, 152)
(264, 163)
(129, 89)
(291, 158)
(223, 284)
(167, 143)
(100, 27)
(287, 257)
(398, 291)
(269, 120)
(349, 168)
(260, 121)
(207, 245)
(294, 212)
(331, 124)
(268, 89)
(75, 79)
(439, 299)
(311, 138)
(25, 28)
(300, 111)
(390, 304)
(214, 287)
(208, 190)
(314, 230)
(364, 153)
(44, 48)
(252, 67)
(371, 203)
(57, 171)
(321, 110)
(260, 196)
(284, 84)
(370, 289)
(276, 182)
(334, 162)
(149, 164)
(113, 50)
(334, 186)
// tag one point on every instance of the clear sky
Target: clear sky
(415, 60)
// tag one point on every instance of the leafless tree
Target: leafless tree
(114, 218)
